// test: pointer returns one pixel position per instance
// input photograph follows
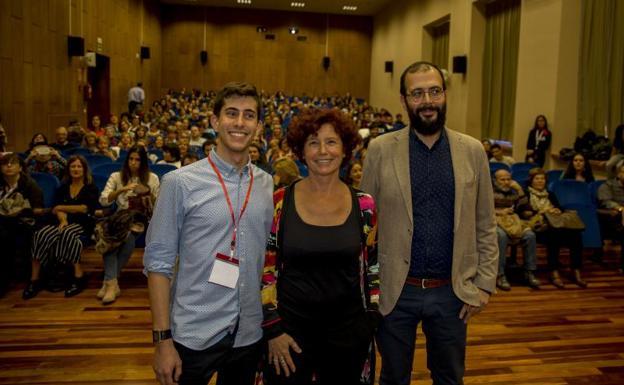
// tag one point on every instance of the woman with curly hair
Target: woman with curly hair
(320, 296)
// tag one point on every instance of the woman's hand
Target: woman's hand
(279, 354)
(129, 187)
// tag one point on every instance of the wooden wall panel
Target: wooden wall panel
(40, 85)
(237, 52)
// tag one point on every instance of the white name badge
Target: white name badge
(224, 271)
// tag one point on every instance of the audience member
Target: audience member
(617, 152)
(96, 126)
(538, 141)
(105, 149)
(208, 146)
(540, 203)
(62, 144)
(20, 200)
(90, 142)
(171, 155)
(135, 188)
(189, 159)
(354, 174)
(45, 159)
(62, 241)
(498, 156)
(507, 200)
(611, 196)
(285, 172)
(579, 169)
(257, 157)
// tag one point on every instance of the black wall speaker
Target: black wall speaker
(460, 64)
(326, 62)
(75, 46)
(145, 52)
(389, 66)
(203, 57)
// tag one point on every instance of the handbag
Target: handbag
(538, 223)
(513, 226)
(566, 220)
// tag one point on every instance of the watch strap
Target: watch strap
(161, 335)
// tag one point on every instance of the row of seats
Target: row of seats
(50, 183)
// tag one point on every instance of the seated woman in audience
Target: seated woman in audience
(20, 201)
(257, 157)
(274, 152)
(541, 201)
(141, 133)
(38, 139)
(125, 142)
(129, 188)
(579, 169)
(113, 121)
(617, 151)
(320, 301)
(96, 126)
(104, 148)
(354, 174)
(285, 172)
(90, 142)
(62, 241)
(171, 155)
(487, 145)
(43, 158)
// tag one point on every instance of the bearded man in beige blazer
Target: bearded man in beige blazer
(437, 233)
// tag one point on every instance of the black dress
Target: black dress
(320, 300)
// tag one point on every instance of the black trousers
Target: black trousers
(334, 356)
(235, 366)
(438, 310)
(15, 239)
(555, 239)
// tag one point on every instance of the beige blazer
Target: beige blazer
(475, 249)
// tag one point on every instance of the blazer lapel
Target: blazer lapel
(457, 158)
(401, 169)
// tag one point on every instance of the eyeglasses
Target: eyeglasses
(418, 94)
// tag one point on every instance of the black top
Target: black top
(319, 280)
(433, 207)
(88, 195)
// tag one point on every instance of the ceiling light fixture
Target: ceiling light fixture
(293, 30)
(243, 1)
(349, 7)
(297, 5)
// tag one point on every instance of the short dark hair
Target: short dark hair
(420, 66)
(309, 121)
(495, 145)
(173, 150)
(234, 89)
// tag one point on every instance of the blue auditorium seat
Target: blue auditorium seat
(49, 184)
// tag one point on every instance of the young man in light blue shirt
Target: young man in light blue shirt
(215, 216)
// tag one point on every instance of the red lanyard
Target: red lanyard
(229, 202)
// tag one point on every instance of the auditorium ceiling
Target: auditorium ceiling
(342, 7)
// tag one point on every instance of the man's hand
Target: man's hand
(279, 354)
(469, 311)
(167, 363)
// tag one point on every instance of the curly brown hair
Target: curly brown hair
(310, 120)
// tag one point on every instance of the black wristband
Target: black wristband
(161, 335)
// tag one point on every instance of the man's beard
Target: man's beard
(427, 128)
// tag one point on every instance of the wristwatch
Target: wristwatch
(161, 335)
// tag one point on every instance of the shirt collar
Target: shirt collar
(438, 142)
(226, 168)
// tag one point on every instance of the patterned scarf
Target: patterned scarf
(539, 200)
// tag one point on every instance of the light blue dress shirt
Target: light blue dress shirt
(192, 219)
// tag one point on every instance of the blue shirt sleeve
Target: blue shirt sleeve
(163, 233)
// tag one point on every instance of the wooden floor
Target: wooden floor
(547, 336)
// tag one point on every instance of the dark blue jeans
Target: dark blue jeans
(438, 310)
